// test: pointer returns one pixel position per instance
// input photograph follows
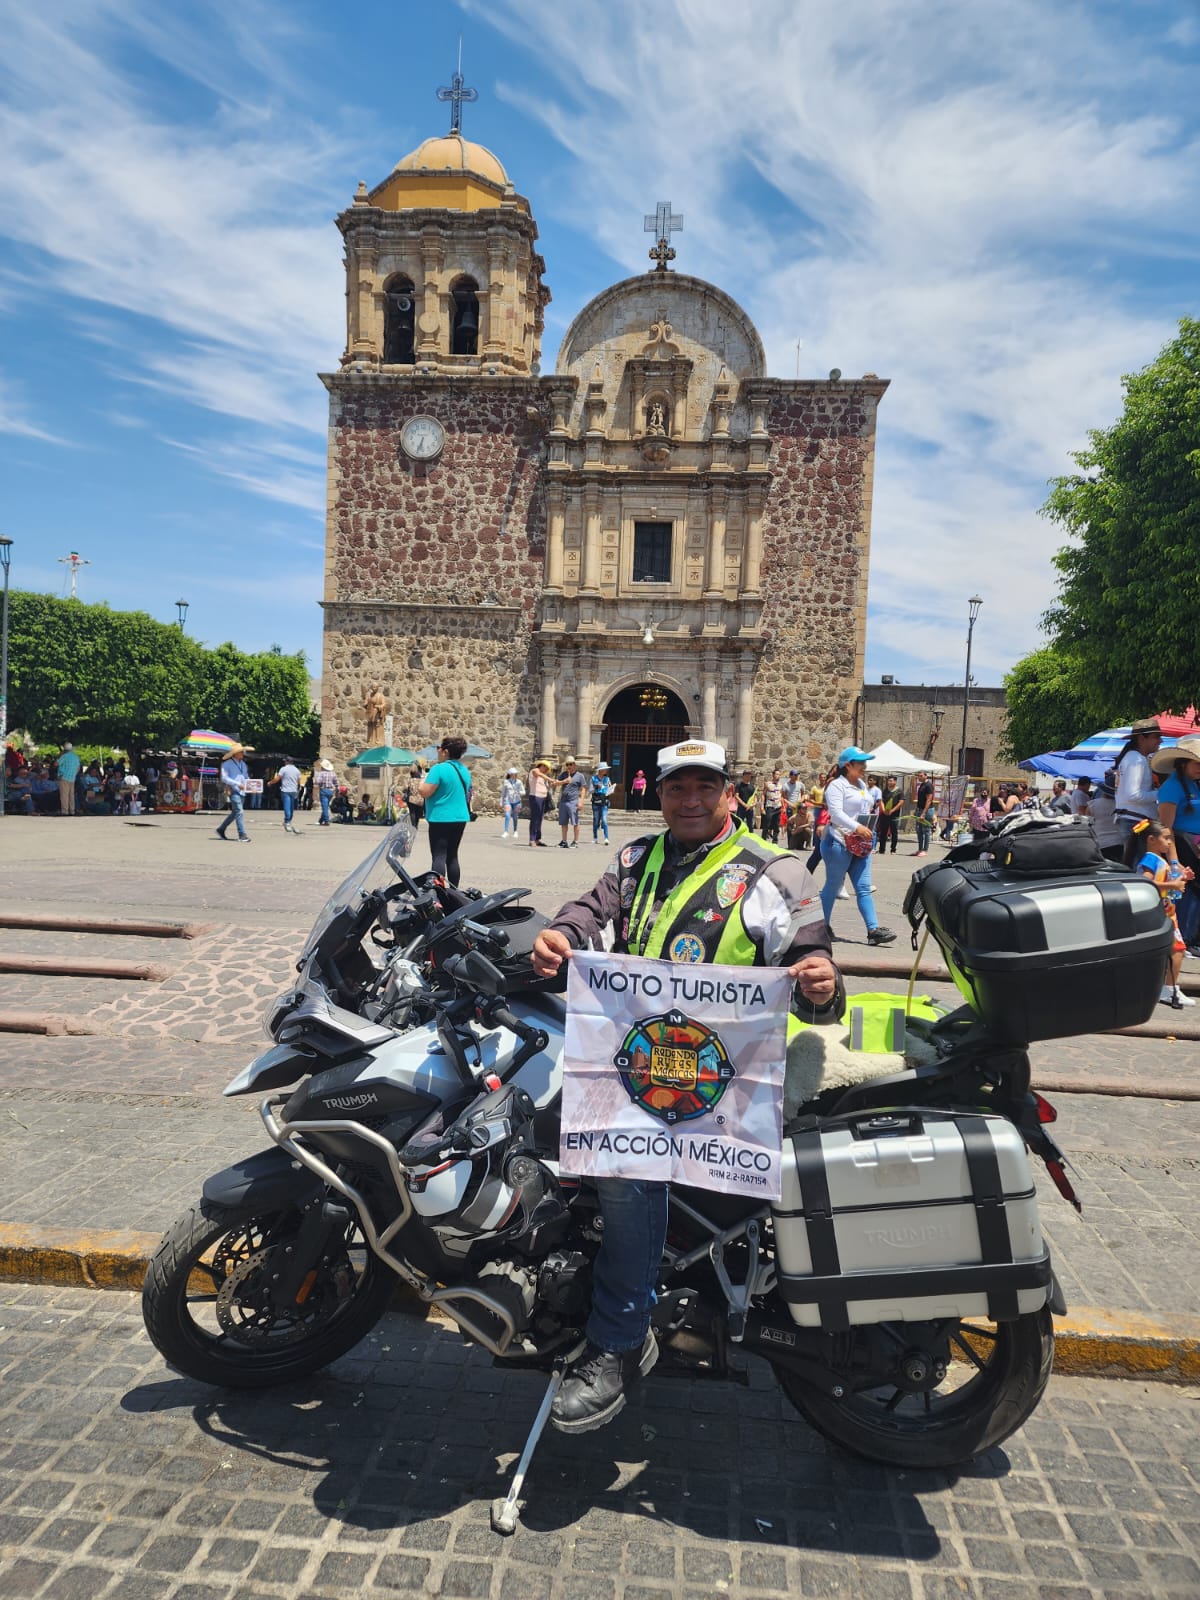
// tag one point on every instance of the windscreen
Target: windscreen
(374, 872)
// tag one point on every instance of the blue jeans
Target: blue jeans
(235, 815)
(512, 813)
(838, 864)
(289, 807)
(323, 795)
(923, 833)
(626, 1270)
(599, 820)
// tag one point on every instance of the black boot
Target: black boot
(594, 1388)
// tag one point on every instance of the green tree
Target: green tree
(1047, 707)
(261, 698)
(1126, 608)
(97, 676)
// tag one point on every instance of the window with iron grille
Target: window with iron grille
(652, 552)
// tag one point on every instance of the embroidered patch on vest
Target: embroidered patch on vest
(731, 885)
(686, 947)
(628, 890)
(632, 854)
(708, 915)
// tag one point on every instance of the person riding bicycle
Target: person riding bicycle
(706, 889)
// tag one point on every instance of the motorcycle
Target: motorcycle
(412, 1093)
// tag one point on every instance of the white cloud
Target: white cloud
(958, 199)
(16, 417)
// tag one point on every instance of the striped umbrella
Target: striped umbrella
(206, 739)
(1106, 746)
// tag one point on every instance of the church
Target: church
(653, 539)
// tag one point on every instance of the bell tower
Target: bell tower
(442, 271)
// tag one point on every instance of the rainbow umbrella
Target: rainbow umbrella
(206, 739)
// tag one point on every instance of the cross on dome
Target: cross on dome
(457, 94)
(662, 225)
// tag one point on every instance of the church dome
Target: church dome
(451, 152)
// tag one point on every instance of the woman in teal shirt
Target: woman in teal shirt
(447, 795)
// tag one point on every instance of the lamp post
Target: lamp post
(182, 607)
(973, 605)
(5, 562)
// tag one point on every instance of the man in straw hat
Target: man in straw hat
(707, 890)
(235, 776)
(325, 783)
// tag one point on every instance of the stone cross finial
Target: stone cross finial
(662, 225)
(457, 94)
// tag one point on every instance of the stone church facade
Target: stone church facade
(653, 540)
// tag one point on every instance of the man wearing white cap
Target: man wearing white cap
(600, 790)
(705, 890)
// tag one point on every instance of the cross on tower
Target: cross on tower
(456, 94)
(662, 225)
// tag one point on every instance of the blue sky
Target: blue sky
(995, 207)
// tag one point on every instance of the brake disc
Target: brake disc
(245, 1312)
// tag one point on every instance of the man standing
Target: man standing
(601, 789)
(235, 776)
(1059, 804)
(746, 797)
(887, 820)
(1081, 798)
(793, 790)
(706, 884)
(924, 813)
(66, 771)
(772, 806)
(571, 784)
(288, 779)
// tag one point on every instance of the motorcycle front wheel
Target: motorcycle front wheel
(207, 1306)
(997, 1376)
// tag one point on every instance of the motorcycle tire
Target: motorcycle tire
(209, 1272)
(1007, 1367)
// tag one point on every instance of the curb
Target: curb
(39, 922)
(1090, 1343)
(84, 967)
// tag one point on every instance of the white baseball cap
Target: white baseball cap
(692, 753)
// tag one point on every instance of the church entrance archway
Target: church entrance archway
(638, 722)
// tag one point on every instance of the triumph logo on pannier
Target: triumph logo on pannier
(351, 1102)
(908, 1238)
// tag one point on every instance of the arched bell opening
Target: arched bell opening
(399, 322)
(638, 722)
(464, 332)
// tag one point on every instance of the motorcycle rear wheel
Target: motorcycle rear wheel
(993, 1387)
(205, 1284)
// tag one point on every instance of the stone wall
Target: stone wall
(903, 712)
(433, 570)
(816, 541)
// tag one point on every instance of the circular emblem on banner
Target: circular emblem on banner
(673, 1067)
(686, 947)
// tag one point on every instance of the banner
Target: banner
(252, 786)
(956, 795)
(674, 1073)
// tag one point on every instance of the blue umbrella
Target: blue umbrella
(473, 752)
(1059, 765)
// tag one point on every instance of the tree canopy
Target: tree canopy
(98, 676)
(1123, 634)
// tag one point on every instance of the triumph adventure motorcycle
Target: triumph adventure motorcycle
(412, 1095)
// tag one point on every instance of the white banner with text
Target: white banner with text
(674, 1073)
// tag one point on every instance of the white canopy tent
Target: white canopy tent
(888, 757)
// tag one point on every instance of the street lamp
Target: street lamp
(182, 607)
(5, 562)
(973, 604)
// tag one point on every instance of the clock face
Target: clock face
(422, 438)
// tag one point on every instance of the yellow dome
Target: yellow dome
(451, 152)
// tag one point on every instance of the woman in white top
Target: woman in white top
(848, 801)
(1136, 796)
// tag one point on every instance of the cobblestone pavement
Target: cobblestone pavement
(120, 1479)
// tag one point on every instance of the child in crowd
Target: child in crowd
(1151, 851)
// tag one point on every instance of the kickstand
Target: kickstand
(506, 1511)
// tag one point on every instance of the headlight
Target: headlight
(279, 1009)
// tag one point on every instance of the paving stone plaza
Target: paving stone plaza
(120, 1479)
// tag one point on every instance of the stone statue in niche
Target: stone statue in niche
(376, 708)
(656, 419)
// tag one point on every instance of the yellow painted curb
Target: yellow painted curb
(1089, 1343)
(1094, 1343)
(96, 1259)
